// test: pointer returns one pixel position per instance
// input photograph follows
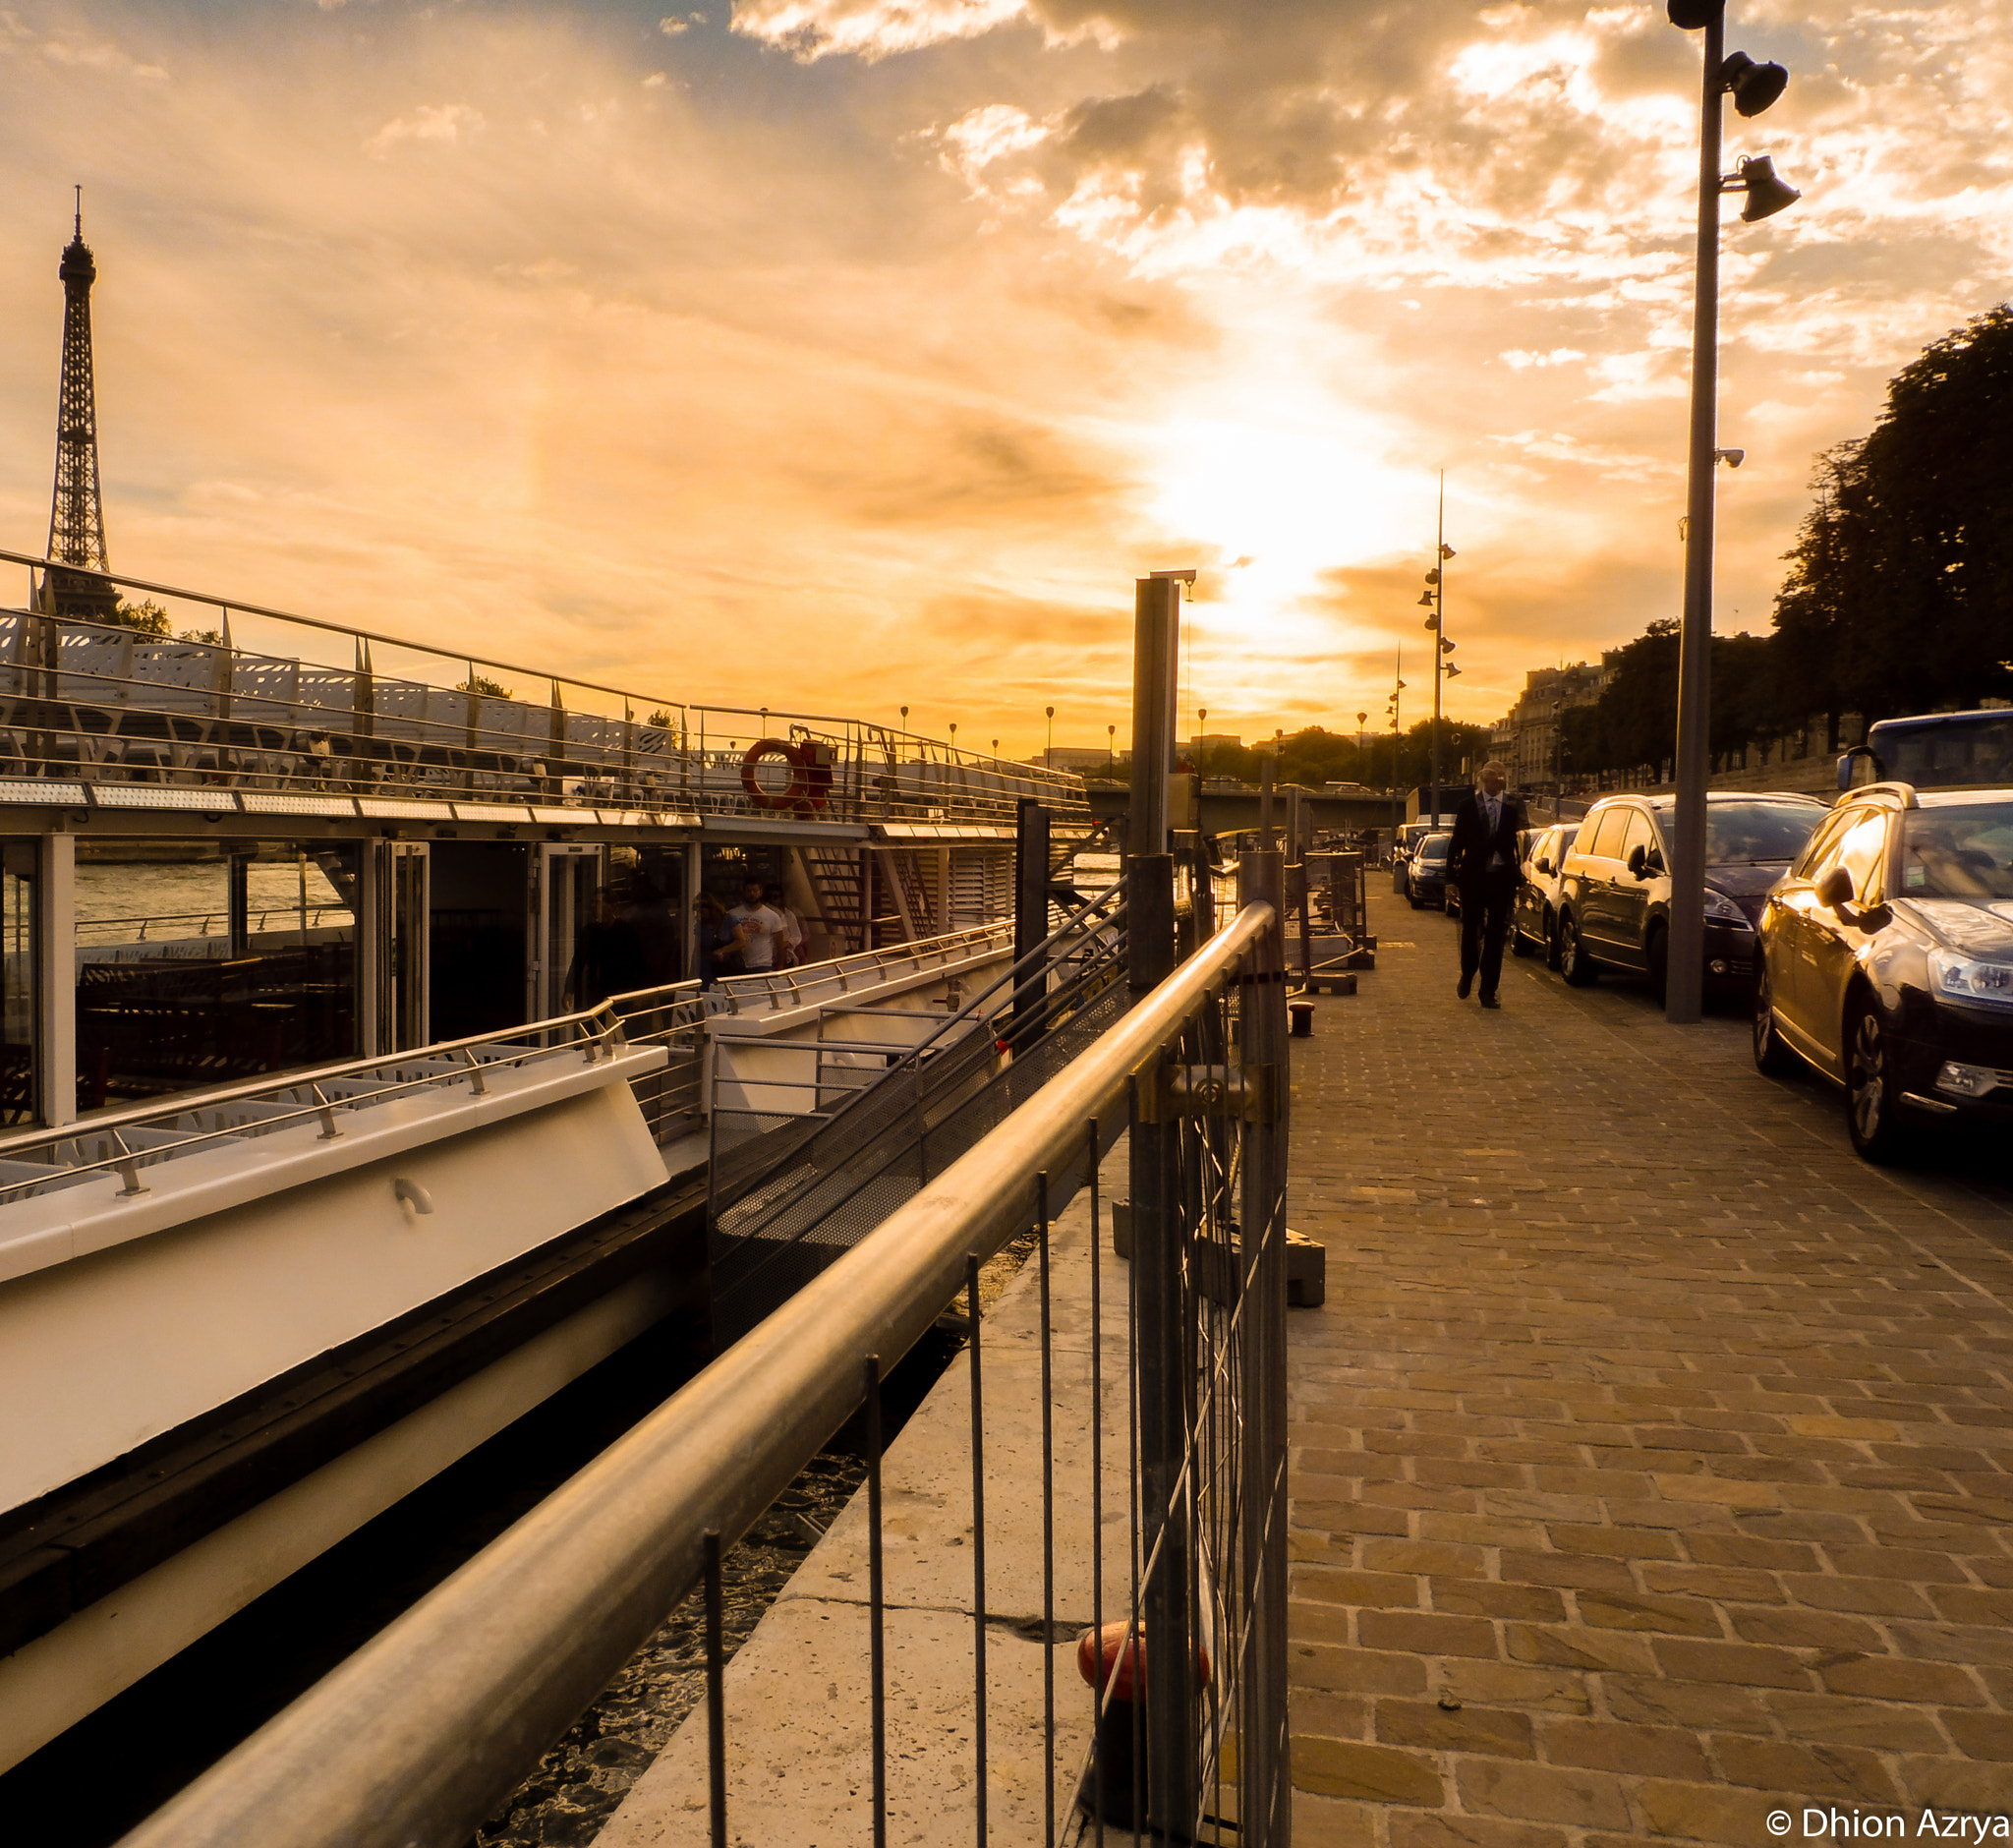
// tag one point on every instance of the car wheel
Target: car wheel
(1657, 955)
(1551, 940)
(1869, 1087)
(1771, 1051)
(1575, 964)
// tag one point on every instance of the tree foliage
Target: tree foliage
(1899, 596)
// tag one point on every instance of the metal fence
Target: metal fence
(417, 1738)
(785, 1197)
(313, 717)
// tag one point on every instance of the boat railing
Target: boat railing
(148, 926)
(679, 1015)
(109, 705)
(123, 1141)
(422, 1734)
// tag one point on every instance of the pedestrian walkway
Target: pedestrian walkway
(1652, 1463)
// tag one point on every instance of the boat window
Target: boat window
(205, 962)
(17, 988)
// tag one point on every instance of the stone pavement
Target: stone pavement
(1652, 1457)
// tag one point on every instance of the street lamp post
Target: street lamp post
(1111, 745)
(1396, 691)
(1049, 750)
(1753, 86)
(1435, 600)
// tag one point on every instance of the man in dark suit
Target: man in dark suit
(1483, 861)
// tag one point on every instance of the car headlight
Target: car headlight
(1971, 978)
(1722, 910)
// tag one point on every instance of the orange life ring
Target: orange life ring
(757, 752)
(810, 782)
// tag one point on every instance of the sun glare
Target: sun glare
(1293, 502)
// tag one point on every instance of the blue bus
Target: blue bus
(1934, 751)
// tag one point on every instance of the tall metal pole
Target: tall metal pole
(1158, 1276)
(1396, 701)
(1685, 946)
(1267, 1771)
(1439, 633)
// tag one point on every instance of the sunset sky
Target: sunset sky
(846, 354)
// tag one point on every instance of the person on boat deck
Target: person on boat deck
(720, 941)
(608, 954)
(762, 930)
(790, 950)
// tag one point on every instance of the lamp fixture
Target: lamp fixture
(1426, 601)
(1433, 576)
(1449, 669)
(1753, 86)
(1767, 193)
(1446, 551)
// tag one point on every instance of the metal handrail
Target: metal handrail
(595, 1031)
(415, 1738)
(893, 744)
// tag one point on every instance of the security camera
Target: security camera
(1732, 458)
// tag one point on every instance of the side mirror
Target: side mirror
(1836, 889)
(1653, 861)
(1638, 860)
(1543, 864)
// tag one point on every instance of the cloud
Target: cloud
(869, 354)
(449, 122)
(871, 30)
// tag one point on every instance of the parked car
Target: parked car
(1615, 889)
(1425, 875)
(1535, 911)
(1404, 845)
(1887, 962)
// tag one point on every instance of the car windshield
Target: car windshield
(1757, 830)
(1434, 846)
(1958, 852)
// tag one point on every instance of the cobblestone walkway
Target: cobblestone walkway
(1653, 1455)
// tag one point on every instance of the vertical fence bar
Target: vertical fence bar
(876, 1684)
(1048, 1529)
(716, 1695)
(1262, 1039)
(1097, 1479)
(978, 1551)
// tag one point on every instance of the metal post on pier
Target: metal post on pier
(1264, 1054)
(1030, 915)
(1162, 1360)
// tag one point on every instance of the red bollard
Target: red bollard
(1106, 1657)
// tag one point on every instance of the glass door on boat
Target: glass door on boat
(404, 1007)
(570, 936)
(18, 1076)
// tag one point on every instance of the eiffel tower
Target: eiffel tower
(77, 514)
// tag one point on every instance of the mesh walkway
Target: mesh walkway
(1654, 1457)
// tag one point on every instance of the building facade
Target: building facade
(1527, 738)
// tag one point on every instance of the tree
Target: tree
(481, 683)
(1900, 591)
(148, 617)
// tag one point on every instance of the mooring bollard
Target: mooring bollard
(1116, 1656)
(1302, 1014)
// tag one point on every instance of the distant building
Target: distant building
(1075, 757)
(1216, 741)
(1527, 738)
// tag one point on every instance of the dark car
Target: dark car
(1426, 874)
(1535, 911)
(1887, 962)
(1615, 889)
